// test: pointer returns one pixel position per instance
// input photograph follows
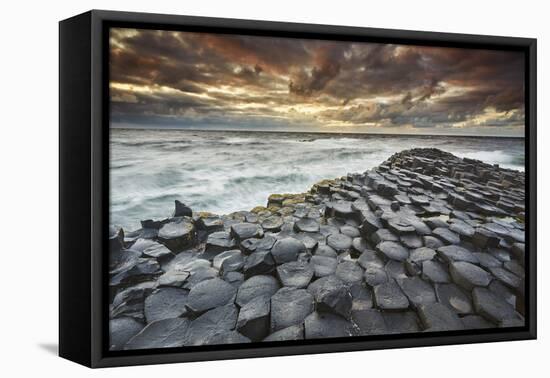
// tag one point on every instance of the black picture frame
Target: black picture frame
(83, 181)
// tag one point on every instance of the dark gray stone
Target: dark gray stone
(295, 332)
(178, 234)
(417, 291)
(205, 329)
(295, 274)
(242, 231)
(290, 306)
(435, 272)
(257, 286)
(165, 333)
(332, 295)
(287, 249)
(453, 297)
(229, 261)
(323, 265)
(272, 224)
(370, 259)
(209, 294)
(491, 307)
(438, 317)
(254, 318)
(468, 275)
(401, 322)
(261, 262)
(508, 278)
(181, 210)
(319, 325)
(451, 253)
(306, 225)
(392, 250)
(227, 337)
(339, 242)
(165, 303)
(432, 242)
(476, 322)
(383, 235)
(446, 235)
(487, 261)
(388, 296)
(369, 322)
(421, 254)
(349, 272)
(218, 242)
(375, 276)
(121, 330)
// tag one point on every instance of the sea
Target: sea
(227, 171)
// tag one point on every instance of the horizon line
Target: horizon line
(316, 132)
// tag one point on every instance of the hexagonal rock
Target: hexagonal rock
(476, 322)
(209, 294)
(446, 235)
(121, 330)
(139, 270)
(306, 225)
(508, 278)
(438, 317)
(254, 318)
(400, 225)
(453, 297)
(388, 296)
(116, 238)
(343, 210)
(210, 324)
(349, 272)
(218, 242)
(256, 286)
(492, 307)
(287, 249)
(339, 242)
(432, 242)
(484, 238)
(401, 322)
(369, 322)
(383, 235)
(452, 253)
(325, 325)
(210, 223)
(163, 333)
(123, 260)
(435, 272)
(393, 251)
(226, 337)
(375, 276)
(242, 231)
(165, 303)
(370, 259)
(421, 254)
(295, 332)
(362, 297)
(411, 241)
(156, 250)
(371, 223)
(178, 234)
(462, 228)
(323, 265)
(325, 250)
(468, 275)
(332, 295)
(261, 262)
(252, 245)
(487, 261)
(290, 306)
(295, 274)
(272, 223)
(418, 292)
(395, 269)
(352, 232)
(233, 260)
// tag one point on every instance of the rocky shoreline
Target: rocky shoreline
(426, 241)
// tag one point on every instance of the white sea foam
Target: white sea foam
(223, 172)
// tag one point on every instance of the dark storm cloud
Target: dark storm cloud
(195, 78)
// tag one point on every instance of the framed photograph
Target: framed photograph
(234, 188)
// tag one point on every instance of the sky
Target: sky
(172, 79)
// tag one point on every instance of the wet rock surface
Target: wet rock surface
(426, 241)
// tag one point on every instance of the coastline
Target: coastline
(426, 241)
